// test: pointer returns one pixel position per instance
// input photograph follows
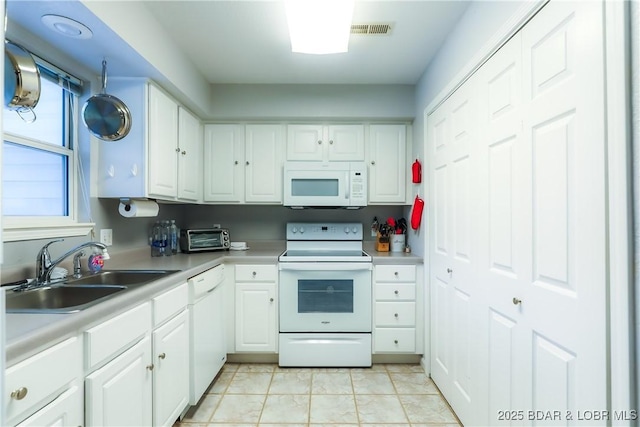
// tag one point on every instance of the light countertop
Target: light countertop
(27, 334)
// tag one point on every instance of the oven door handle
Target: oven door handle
(326, 266)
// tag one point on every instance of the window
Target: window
(39, 165)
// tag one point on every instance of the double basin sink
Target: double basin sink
(73, 295)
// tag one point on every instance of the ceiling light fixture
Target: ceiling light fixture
(67, 27)
(319, 26)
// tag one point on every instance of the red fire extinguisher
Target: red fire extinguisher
(416, 168)
(416, 214)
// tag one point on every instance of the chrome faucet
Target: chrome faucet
(44, 265)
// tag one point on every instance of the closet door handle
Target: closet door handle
(516, 301)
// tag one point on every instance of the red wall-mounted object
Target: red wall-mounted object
(416, 213)
(416, 170)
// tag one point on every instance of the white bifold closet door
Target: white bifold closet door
(518, 242)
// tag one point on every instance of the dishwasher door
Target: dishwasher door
(208, 342)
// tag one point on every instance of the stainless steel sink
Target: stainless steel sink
(120, 277)
(58, 299)
(78, 294)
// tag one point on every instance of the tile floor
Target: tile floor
(266, 395)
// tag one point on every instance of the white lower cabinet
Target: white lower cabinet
(36, 394)
(256, 308)
(119, 393)
(171, 372)
(395, 309)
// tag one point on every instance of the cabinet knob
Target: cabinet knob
(395, 315)
(162, 356)
(396, 292)
(183, 153)
(516, 301)
(449, 270)
(396, 274)
(235, 163)
(373, 162)
(177, 149)
(19, 393)
(150, 367)
(254, 274)
(395, 341)
(247, 163)
(331, 141)
(270, 299)
(319, 142)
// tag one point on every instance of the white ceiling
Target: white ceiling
(246, 42)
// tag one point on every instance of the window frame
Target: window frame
(18, 228)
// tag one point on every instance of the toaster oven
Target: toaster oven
(206, 239)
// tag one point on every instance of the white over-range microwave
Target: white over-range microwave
(325, 184)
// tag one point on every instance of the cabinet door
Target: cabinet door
(346, 142)
(189, 158)
(66, 411)
(163, 143)
(223, 163)
(263, 163)
(387, 168)
(119, 393)
(171, 372)
(305, 142)
(256, 328)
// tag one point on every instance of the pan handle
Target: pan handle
(27, 119)
(104, 76)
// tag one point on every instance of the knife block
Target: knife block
(382, 243)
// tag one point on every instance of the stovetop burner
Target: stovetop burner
(324, 242)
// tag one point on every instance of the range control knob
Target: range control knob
(301, 230)
(354, 230)
(346, 230)
(294, 230)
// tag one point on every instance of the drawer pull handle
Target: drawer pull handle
(150, 367)
(19, 394)
(395, 341)
(254, 274)
(162, 356)
(449, 270)
(396, 292)
(395, 274)
(516, 301)
(396, 315)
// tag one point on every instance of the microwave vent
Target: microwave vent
(379, 29)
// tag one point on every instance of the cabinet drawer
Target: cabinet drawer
(66, 410)
(392, 340)
(111, 337)
(396, 292)
(395, 273)
(170, 303)
(395, 314)
(42, 377)
(256, 273)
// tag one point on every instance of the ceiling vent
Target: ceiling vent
(371, 29)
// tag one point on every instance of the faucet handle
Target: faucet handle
(43, 256)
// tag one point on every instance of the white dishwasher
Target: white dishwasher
(208, 345)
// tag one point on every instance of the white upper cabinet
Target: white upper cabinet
(243, 164)
(387, 153)
(160, 157)
(190, 156)
(223, 159)
(325, 143)
(163, 144)
(264, 146)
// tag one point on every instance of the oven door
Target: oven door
(325, 297)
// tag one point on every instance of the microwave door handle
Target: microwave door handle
(347, 186)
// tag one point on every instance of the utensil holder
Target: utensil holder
(382, 243)
(397, 242)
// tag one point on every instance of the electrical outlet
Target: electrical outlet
(106, 236)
